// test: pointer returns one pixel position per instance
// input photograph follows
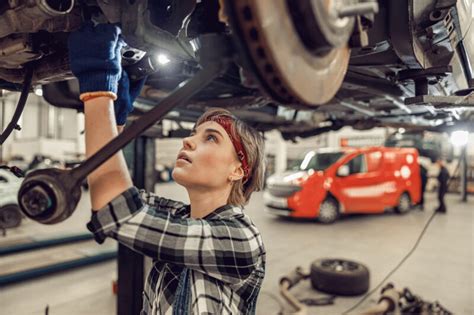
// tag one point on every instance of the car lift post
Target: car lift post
(140, 156)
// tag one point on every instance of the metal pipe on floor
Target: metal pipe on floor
(45, 243)
(47, 270)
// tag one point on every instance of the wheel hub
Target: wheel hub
(295, 60)
(327, 211)
(338, 265)
(319, 26)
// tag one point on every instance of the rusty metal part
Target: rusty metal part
(442, 101)
(49, 69)
(140, 31)
(399, 302)
(285, 67)
(16, 50)
(300, 308)
(30, 16)
(380, 309)
(388, 303)
(286, 283)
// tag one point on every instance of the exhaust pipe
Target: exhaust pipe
(30, 16)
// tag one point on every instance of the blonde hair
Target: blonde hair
(254, 146)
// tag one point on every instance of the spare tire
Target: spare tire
(339, 276)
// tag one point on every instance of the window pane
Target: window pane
(357, 165)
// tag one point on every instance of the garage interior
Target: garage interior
(340, 214)
(440, 269)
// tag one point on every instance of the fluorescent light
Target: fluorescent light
(162, 59)
(459, 138)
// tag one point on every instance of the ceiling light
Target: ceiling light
(459, 138)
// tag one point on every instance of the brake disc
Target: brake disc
(297, 50)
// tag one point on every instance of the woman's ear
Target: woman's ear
(237, 173)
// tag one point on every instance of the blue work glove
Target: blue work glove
(126, 95)
(95, 57)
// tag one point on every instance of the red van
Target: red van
(328, 183)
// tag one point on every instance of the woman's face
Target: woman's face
(207, 158)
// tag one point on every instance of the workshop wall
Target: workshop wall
(45, 129)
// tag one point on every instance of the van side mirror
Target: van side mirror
(343, 171)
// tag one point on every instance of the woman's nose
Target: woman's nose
(188, 143)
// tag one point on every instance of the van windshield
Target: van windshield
(316, 161)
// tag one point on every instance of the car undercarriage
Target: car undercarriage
(302, 67)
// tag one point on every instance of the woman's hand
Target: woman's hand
(126, 95)
(95, 57)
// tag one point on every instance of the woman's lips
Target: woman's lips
(182, 156)
(182, 161)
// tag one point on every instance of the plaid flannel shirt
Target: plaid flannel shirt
(223, 252)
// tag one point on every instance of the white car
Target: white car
(10, 215)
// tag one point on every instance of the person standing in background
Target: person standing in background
(443, 178)
(424, 180)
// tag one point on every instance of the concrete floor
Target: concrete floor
(440, 269)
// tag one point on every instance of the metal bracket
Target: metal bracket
(442, 101)
(423, 77)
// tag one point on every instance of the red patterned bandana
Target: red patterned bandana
(226, 122)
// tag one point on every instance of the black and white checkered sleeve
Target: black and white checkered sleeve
(226, 248)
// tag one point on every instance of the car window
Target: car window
(357, 165)
(3, 179)
(374, 159)
(317, 161)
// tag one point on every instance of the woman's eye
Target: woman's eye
(211, 137)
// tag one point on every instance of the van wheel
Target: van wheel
(10, 216)
(339, 276)
(328, 211)
(404, 204)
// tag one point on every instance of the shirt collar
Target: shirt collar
(222, 211)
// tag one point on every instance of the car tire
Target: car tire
(10, 216)
(328, 211)
(404, 204)
(339, 276)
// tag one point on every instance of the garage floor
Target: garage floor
(440, 269)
